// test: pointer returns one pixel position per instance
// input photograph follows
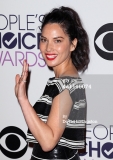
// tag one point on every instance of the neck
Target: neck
(65, 68)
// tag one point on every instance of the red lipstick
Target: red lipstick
(50, 56)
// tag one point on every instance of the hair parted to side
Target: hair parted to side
(70, 22)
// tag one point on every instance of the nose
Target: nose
(49, 46)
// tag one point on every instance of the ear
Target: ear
(73, 45)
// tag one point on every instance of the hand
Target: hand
(20, 86)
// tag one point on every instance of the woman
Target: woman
(52, 122)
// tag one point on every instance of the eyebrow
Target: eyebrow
(53, 38)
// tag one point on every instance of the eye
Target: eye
(58, 41)
(104, 41)
(13, 144)
(42, 40)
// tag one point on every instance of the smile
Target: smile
(51, 56)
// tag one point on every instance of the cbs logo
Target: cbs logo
(103, 41)
(13, 144)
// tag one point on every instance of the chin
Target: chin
(51, 64)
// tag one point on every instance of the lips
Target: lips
(51, 56)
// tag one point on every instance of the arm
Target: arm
(49, 133)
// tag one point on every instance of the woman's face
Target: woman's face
(55, 45)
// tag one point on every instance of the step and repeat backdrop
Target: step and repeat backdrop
(19, 39)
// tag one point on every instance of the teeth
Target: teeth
(51, 56)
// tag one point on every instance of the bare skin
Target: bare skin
(53, 41)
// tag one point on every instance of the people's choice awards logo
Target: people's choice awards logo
(19, 40)
(9, 40)
(103, 41)
(13, 144)
(107, 150)
(99, 144)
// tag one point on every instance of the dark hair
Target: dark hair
(71, 24)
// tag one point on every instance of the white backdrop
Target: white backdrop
(19, 31)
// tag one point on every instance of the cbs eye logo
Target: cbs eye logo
(103, 41)
(13, 144)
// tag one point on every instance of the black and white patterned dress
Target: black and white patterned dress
(73, 137)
